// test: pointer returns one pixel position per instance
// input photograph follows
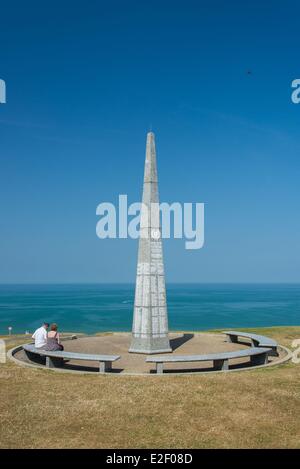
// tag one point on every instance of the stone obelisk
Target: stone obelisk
(150, 317)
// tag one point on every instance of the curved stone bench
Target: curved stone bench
(258, 356)
(56, 359)
(256, 340)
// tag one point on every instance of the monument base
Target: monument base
(150, 345)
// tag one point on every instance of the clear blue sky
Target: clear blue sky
(84, 82)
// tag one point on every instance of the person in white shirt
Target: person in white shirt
(40, 336)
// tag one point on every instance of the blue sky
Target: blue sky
(86, 80)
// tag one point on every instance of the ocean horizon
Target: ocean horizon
(91, 307)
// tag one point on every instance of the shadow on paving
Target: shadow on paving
(178, 341)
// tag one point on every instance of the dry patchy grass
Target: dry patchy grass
(253, 409)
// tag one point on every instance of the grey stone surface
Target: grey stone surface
(209, 356)
(221, 365)
(70, 355)
(258, 356)
(56, 359)
(54, 362)
(257, 340)
(150, 318)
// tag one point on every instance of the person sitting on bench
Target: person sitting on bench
(40, 336)
(53, 341)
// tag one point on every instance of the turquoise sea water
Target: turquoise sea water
(92, 308)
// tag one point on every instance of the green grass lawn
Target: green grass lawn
(248, 409)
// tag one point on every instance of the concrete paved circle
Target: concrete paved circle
(187, 343)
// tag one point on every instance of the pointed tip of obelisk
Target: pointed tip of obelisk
(150, 174)
(150, 138)
(150, 133)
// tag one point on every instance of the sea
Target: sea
(91, 308)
